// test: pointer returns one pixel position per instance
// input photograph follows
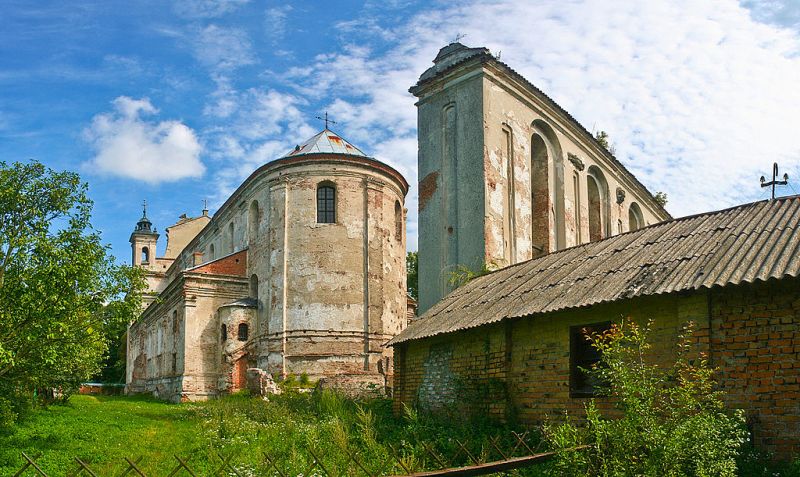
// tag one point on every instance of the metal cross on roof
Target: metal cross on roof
(144, 208)
(326, 120)
(774, 180)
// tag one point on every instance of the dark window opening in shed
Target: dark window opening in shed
(583, 356)
(242, 335)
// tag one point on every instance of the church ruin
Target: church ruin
(300, 271)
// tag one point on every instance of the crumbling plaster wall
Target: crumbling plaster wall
(477, 200)
(174, 349)
(317, 313)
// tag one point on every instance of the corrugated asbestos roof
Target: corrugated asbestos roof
(747, 243)
(326, 141)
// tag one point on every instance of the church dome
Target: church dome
(326, 142)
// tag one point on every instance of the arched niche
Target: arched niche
(597, 190)
(547, 188)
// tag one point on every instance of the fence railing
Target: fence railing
(490, 457)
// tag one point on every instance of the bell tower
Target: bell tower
(143, 241)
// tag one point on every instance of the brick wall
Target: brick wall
(522, 366)
(756, 344)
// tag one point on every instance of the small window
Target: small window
(582, 356)
(242, 332)
(326, 204)
(224, 333)
(145, 255)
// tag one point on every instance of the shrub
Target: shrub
(672, 421)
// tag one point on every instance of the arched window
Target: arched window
(254, 286)
(555, 182)
(597, 190)
(145, 255)
(230, 237)
(326, 203)
(398, 220)
(540, 193)
(635, 221)
(211, 254)
(253, 220)
(242, 334)
(224, 333)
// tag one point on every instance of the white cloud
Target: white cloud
(198, 9)
(275, 22)
(128, 146)
(698, 97)
(223, 48)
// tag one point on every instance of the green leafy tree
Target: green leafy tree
(412, 278)
(464, 274)
(672, 420)
(661, 198)
(604, 140)
(60, 290)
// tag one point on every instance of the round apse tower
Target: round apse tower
(333, 262)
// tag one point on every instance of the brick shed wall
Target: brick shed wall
(756, 344)
(521, 367)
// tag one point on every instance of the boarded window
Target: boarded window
(582, 356)
(224, 333)
(242, 335)
(326, 204)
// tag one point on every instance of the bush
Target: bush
(672, 421)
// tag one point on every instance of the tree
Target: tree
(661, 198)
(672, 422)
(412, 278)
(604, 140)
(57, 283)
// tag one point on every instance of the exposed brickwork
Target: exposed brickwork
(756, 344)
(235, 264)
(750, 332)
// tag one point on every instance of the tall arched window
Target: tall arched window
(145, 255)
(635, 221)
(597, 190)
(555, 183)
(540, 193)
(326, 203)
(211, 252)
(398, 220)
(253, 221)
(230, 237)
(242, 332)
(254, 286)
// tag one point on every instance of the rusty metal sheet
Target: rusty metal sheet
(744, 244)
(326, 142)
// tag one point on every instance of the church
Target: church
(302, 269)
(300, 272)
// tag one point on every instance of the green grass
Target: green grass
(103, 430)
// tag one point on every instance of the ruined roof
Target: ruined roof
(326, 141)
(456, 54)
(744, 244)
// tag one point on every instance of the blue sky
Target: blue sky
(176, 102)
